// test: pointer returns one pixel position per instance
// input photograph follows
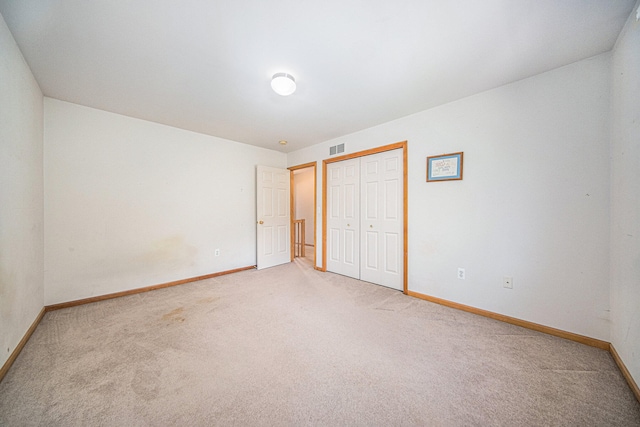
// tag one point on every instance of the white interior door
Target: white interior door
(381, 237)
(343, 217)
(273, 217)
(365, 218)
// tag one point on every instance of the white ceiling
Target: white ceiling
(206, 65)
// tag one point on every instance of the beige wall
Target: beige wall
(533, 204)
(131, 203)
(21, 196)
(303, 197)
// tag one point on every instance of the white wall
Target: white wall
(130, 203)
(21, 188)
(534, 202)
(303, 197)
(625, 197)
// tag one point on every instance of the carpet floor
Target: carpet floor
(293, 346)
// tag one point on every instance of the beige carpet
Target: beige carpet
(292, 346)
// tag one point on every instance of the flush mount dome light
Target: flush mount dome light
(283, 84)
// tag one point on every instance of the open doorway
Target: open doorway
(303, 212)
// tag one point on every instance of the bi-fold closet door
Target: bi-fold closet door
(365, 218)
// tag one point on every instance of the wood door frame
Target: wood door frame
(313, 165)
(405, 218)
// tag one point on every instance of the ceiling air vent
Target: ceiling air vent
(336, 149)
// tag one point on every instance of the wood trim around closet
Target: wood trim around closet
(291, 211)
(405, 175)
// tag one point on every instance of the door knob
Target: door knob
(260, 222)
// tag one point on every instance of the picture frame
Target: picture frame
(445, 167)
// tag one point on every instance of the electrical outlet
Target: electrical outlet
(461, 273)
(217, 252)
(507, 282)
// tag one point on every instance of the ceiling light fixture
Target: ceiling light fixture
(283, 142)
(283, 84)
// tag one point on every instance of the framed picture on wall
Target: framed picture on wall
(445, 167)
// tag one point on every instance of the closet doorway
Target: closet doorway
(365, 215)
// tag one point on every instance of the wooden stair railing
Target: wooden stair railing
(299, 239)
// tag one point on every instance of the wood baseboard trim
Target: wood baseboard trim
(141, 290)
(21, 344)
(593, 342)
(625, 372)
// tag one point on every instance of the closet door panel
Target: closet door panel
(343, 218)
(371, 253)
(392, 258)
(365, 218)
(382, 177)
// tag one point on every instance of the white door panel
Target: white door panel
(273, 217)
(350, 248)
(393, 257)
(365, 218)
(343, 219)
(382, 243)
(334, 250)
(371, 252)
(393, 206)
